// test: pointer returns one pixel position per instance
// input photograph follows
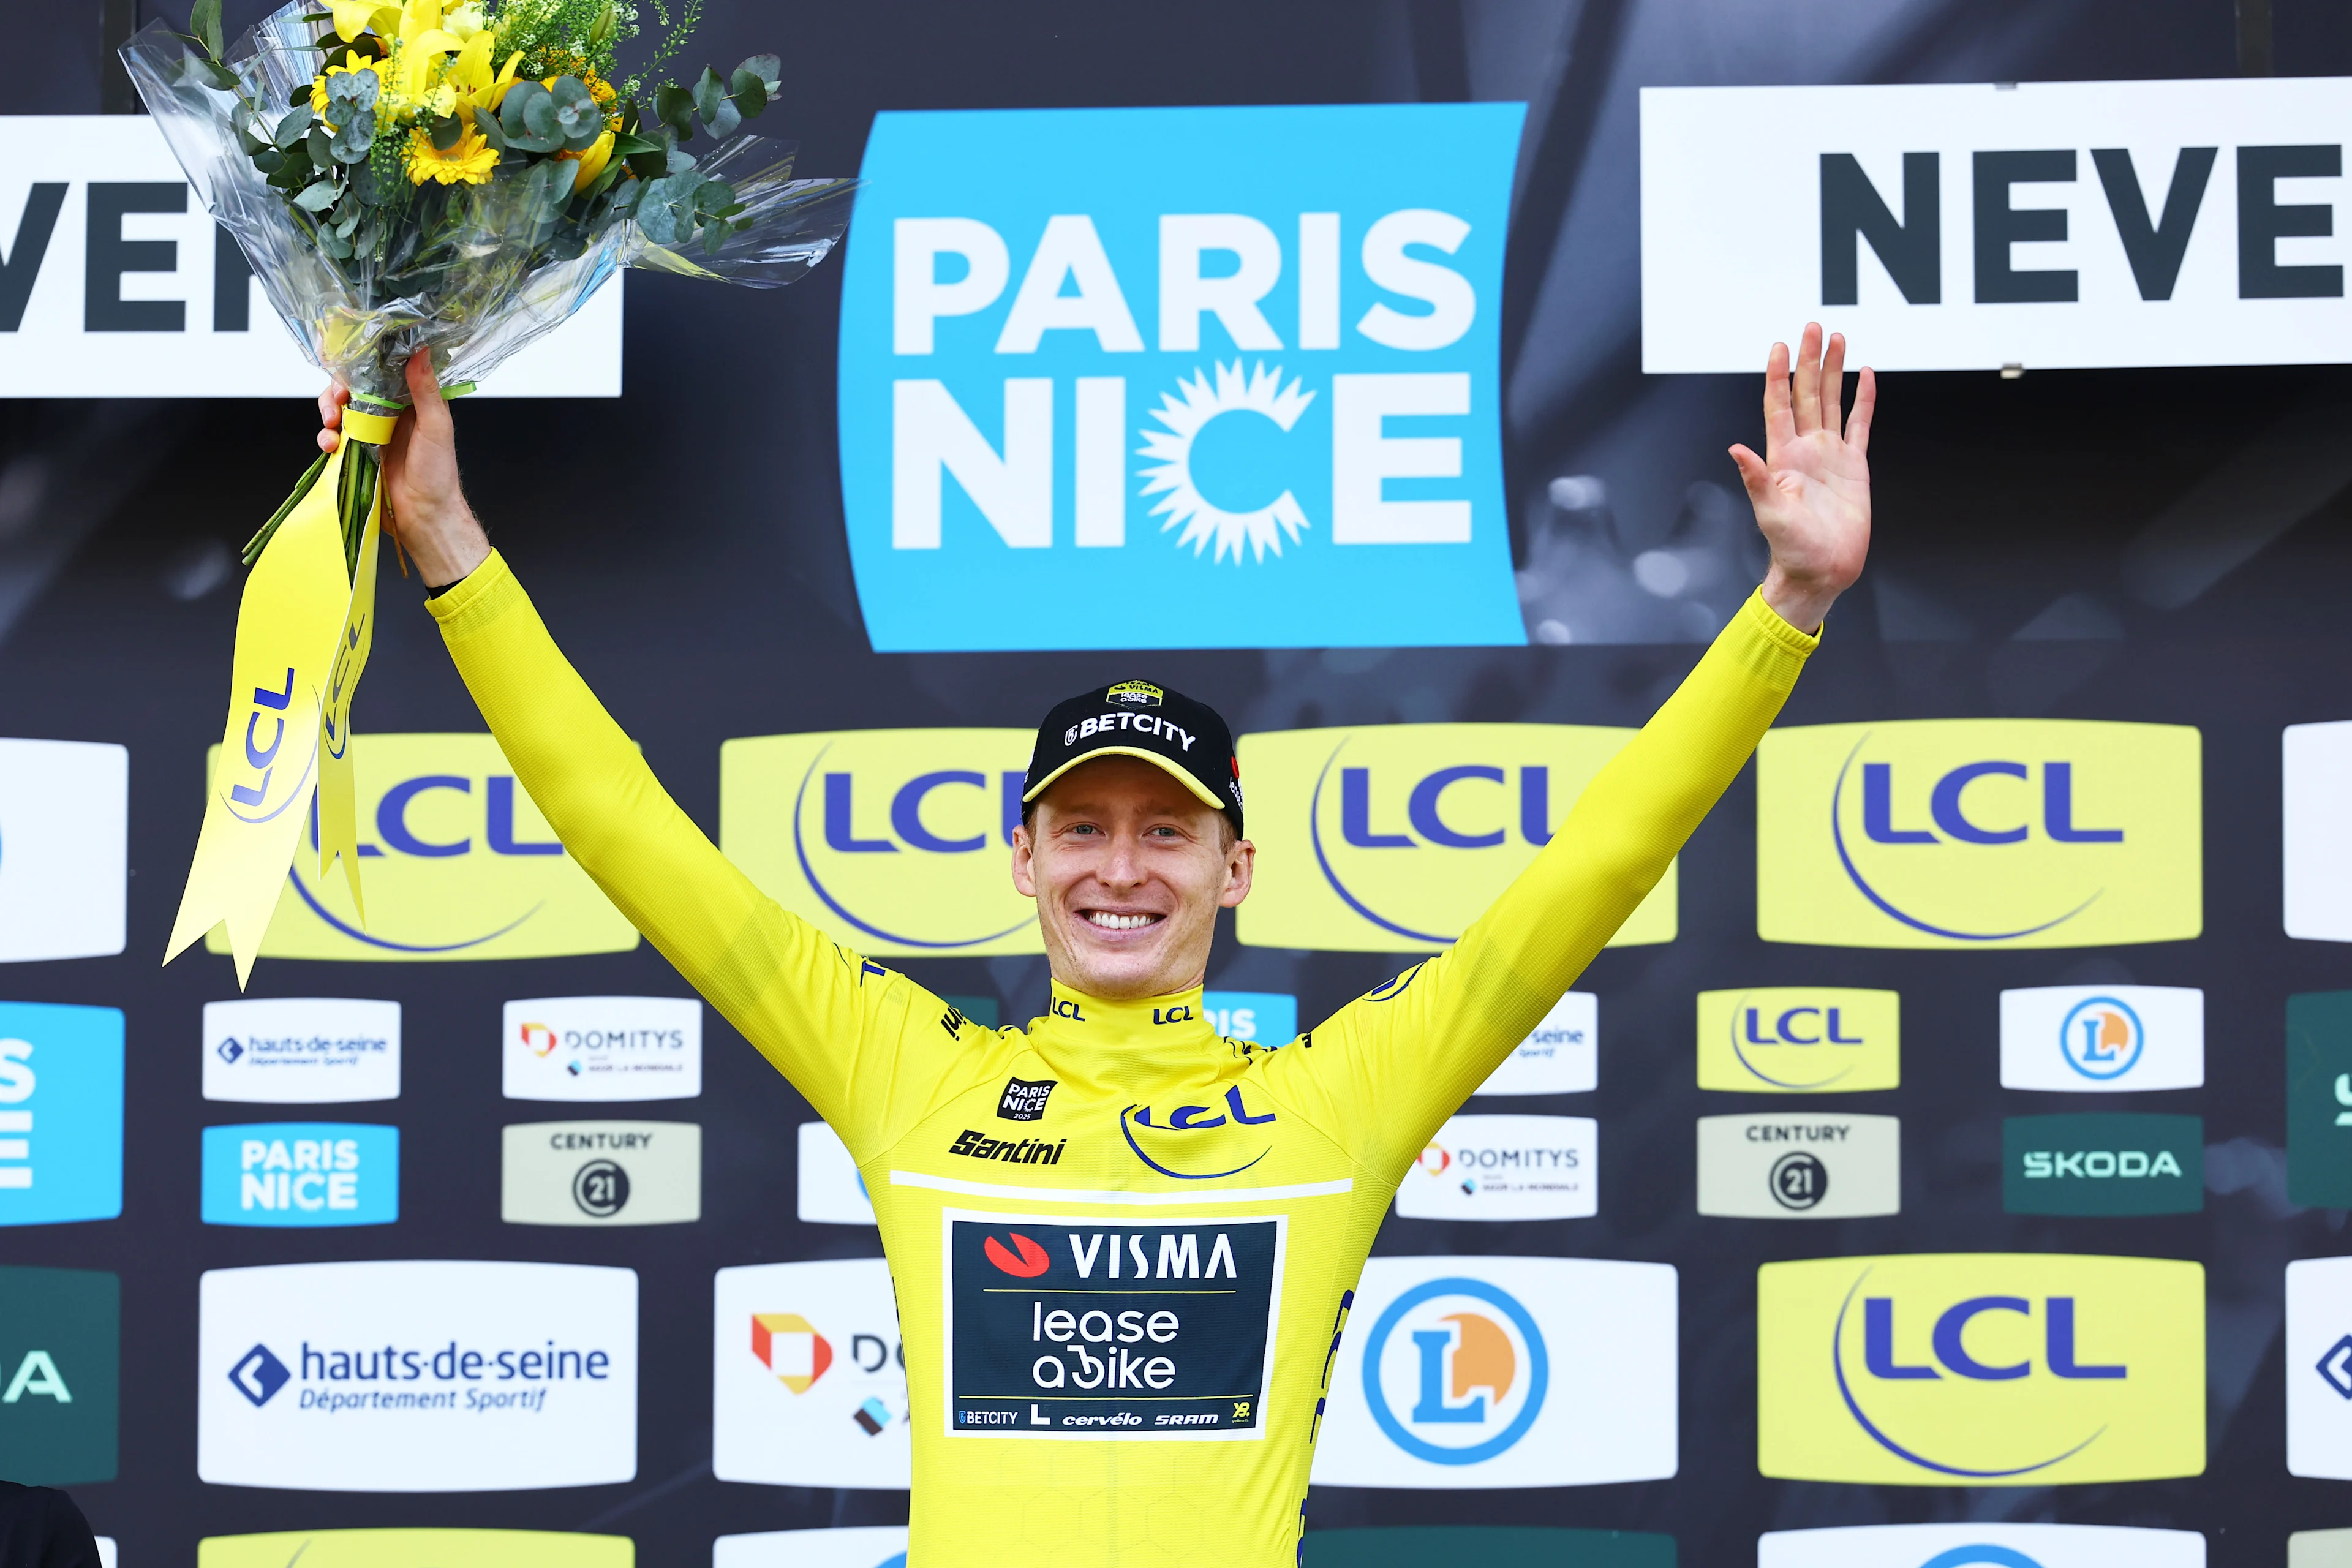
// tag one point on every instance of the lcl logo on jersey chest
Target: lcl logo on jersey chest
(1201, 1141)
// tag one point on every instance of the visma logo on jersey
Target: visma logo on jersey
(808, 1377)
(1973, 833)
(1992, 1545)
(1800, 1039)
(1980, 1369)
(418, 1378)
(61, 1113)
(406, 1548)
(2103, 1039)
(1503, 1371)
(64, 843)
(301, 1174)
(1261, 378)
(894, 842)
(459, 864)
(1395, 837)
(61, 1374)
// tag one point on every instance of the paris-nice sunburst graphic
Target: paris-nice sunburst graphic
(1183, 413)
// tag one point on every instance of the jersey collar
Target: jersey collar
(1123, 1042)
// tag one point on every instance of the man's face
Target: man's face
(1128, 869)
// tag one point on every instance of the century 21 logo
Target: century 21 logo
(1980, 1369)
(1973, 833)
(897, 842)
(1396, 837)
(459, 865)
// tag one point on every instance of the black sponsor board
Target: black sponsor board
(1078, 1328)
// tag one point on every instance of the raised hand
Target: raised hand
(1812, 488)
(425, 504)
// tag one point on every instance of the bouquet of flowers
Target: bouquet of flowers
(453, 179)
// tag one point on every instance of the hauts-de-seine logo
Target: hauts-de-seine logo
(1800, 1039)
(1395, 838)
(1971, 832)
(1268, 373)
(1983, 1369)
(458, 865)
(893, 841)
(1456, 1371)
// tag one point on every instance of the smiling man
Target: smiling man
(1123, 1247)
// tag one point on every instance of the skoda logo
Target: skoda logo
(1456, 1371)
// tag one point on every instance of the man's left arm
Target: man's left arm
(1392, 1066)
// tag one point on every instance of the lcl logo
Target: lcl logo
(1966, 833)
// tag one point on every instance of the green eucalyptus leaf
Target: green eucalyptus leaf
(358, 88)
(316, 198)
(355, 138)
(711, 196)
(204, 22)
(322, 145)
(487, 124)
(445, 132)
(768, 69)
(269, 160)
(296, 124)
(626, 144)
(674, 106)
(723, 122)
(750, 94)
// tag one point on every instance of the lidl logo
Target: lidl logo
(1059, 377)
(61, 1113)
(2103, 1039)
(1985, 1545)
(406, 1548)
(64, 813)
(301, 1174)
(847, 1546)
(2319, 1099)
(894, 842)
(1395, 837)
(455, 862)
(1489, 1372)
(61, 1374)
(2102, 1164)
(1800, 1039)
(1972, 833)
(1980, 1369)
(809, 1375)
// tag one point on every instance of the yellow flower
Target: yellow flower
(441, 100)
(353, 17)
(471, 75)
(592, 161)
(465, 22)
(352, 61)
(468, 162)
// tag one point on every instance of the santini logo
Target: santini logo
(1979, 833)
(893, 840)
(1191, 365)
(1795, 1039)
(1980, 1369)
(459, 863)
(1397, 838)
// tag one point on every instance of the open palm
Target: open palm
(1812, 488)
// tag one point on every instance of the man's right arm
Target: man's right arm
(865, 1045)
(835, 1025)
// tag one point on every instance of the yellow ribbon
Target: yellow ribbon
(303, 631)
(375, 429)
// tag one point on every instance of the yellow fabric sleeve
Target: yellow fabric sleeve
(859, 1041)
(1385, 1071)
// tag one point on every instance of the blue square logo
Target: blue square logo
(61, 1113)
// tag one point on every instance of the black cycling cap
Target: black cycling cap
(1138, 719)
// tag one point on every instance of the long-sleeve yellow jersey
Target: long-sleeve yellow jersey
(1124, 1248)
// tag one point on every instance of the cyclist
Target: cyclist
(1123, 1247)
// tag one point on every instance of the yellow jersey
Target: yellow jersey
(1124, 1248)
